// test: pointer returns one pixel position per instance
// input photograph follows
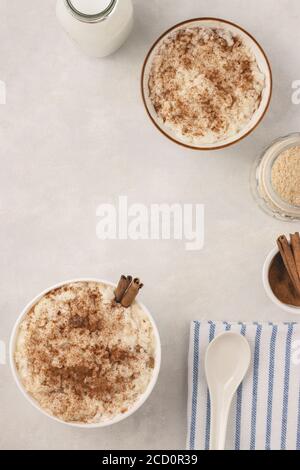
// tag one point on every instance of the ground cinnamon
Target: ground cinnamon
(281, 283)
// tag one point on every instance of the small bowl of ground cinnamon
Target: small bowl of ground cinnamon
(206, 83)
(281, 274)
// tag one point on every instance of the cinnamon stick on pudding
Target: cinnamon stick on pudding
(131, 293)
(289, 255)
(127, 290)
(122, 287)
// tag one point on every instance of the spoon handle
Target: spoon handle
(218, 422)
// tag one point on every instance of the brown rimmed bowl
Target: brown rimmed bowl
(263, 64)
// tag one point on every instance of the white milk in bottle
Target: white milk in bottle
(99, 27)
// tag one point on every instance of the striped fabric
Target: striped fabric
(266, 410)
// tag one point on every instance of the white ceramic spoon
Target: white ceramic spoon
(226, 363)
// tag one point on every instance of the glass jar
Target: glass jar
(261, 181)
(99, 27)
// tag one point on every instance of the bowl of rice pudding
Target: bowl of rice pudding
(81, 357)
(206, 83)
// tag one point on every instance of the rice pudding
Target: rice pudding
(205, 84)
(84, 357)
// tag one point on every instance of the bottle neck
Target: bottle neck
(91, 11)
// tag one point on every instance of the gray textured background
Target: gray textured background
(73, 135)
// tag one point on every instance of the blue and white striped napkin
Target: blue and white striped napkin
(266, 410)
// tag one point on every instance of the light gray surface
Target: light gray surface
(74, 134)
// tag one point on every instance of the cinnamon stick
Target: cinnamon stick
(131, 293)
(295, 244)
(289, 261)
(122, 287)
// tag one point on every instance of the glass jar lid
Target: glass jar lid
(91, 10)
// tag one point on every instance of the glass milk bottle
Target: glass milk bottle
(99, 27)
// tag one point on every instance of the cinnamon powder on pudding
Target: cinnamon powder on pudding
(82, 356)
(205, 84)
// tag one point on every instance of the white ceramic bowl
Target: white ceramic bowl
(263, 64)
(268, 289)
(118, 418)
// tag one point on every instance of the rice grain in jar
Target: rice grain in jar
(275, 180)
